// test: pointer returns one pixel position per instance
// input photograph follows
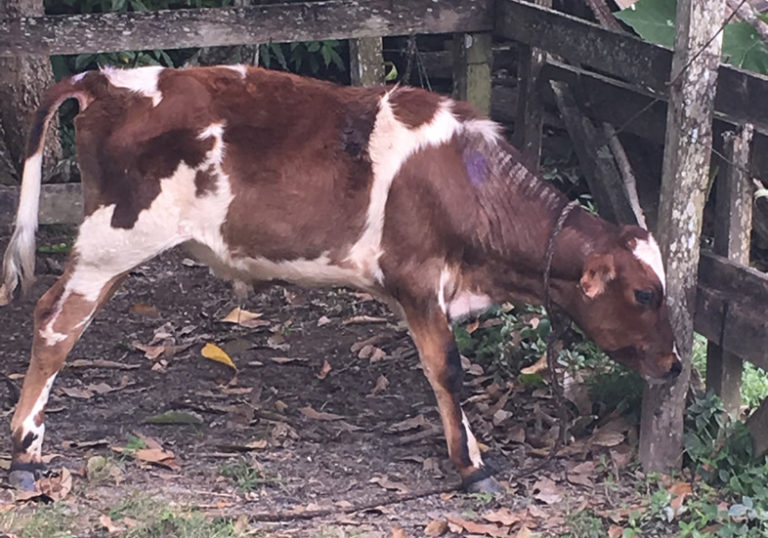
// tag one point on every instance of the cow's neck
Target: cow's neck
(522, 263)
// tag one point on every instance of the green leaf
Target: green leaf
(325, 52)
(391, 70)
(653, 20)
(83, 61)
(743, 47)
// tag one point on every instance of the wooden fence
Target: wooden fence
(615, 77)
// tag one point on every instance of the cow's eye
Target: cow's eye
(644, 297)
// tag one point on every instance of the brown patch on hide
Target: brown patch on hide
(414, 107)
(296, 156)
(205, 182)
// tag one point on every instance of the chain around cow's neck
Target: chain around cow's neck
(558, 323)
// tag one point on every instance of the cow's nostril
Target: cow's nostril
(675, 369)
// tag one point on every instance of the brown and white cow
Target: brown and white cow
(266, 176)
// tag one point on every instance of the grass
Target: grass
(51, 521)
(246, 476)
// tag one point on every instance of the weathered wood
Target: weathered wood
(595, 158)
(60, 203)
(166, 29)
(624, 56)
(22, 82)
(472, 65)
(366, 64)
(684, 180)
(733, 224)
(530, 109)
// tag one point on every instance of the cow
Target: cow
(267, 176)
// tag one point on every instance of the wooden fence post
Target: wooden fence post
(687, 150)
(472, 64)
(529, 117)
(733, 224)
(366, 64)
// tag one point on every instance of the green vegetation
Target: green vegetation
(247, 476)
(654, 21)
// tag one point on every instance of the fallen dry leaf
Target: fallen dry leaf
(244, 318)
(318, 415)
(389, 484)
(547, 491)
(503, 516)
(106, 522)
(524, 532)
(215, 353)
(151, 352)
(377, 354)
(101, 363)
(476, 528)
(408, 424)
(607, 438)
(381, 385)
(363, 319)
(158, 456)
(399, 532)
(324, 320)
(58, 487)
(287, 360)
(74, 392)
(614, 531)
(538, 366)
(436, 527)
(325, 370)
(277, 341)
(145, 310)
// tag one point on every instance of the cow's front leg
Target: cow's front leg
(440, 359)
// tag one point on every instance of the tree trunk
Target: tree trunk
(22, 82)
(685, 176)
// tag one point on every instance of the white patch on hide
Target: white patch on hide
(390, 144)
(647, 251)
(472, 447)
(240, 68)
(28, 424)
(141, 80)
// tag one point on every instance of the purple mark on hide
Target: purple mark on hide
(477, 167)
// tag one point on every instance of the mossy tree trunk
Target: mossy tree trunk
(685, 175)
(22, 81)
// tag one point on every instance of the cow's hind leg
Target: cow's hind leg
(440, 359)
(61, 316)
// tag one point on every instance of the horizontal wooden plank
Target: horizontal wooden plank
(60, 203)
(174, 29)
(730, 307)
(624, 56)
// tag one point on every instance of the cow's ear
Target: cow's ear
(598, 271)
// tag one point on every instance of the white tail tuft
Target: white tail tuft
(19, 260)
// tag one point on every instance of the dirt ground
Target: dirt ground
(315, 434)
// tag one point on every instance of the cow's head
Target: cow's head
(623, 308)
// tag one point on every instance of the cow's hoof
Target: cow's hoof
(485, 485)
(22, 480)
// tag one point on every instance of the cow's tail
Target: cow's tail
(19, 259)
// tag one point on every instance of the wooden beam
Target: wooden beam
(366, 64)
(529, 119)
(683, 190)
(733, 225)
(60, 203)
(174, 29)
(472, 65)
(595, 158)
(625, 56)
